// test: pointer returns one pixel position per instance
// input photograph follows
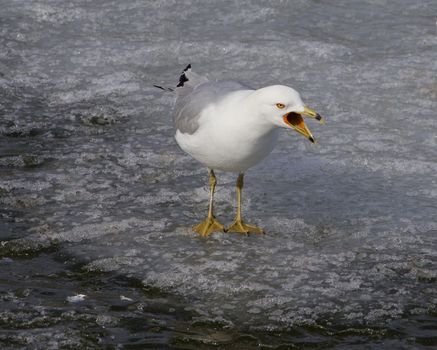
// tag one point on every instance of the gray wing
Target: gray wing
(192, 100)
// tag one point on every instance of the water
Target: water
(98, 200)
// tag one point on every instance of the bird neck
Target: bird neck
(257, 119)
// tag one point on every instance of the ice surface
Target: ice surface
(76, 298)
(89, 163)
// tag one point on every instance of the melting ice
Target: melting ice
(89, 162)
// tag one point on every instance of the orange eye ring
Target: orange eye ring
(280, 105)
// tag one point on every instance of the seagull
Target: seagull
(229, 126)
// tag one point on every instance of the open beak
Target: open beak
(295, 121)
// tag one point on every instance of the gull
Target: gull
(228, 126)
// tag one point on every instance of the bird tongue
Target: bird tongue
(295, 120)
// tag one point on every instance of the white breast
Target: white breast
(228, 139)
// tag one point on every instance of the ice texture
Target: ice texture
(89, 164)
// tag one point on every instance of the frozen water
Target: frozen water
(89, 165)
(76, 298)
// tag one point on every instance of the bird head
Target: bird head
(283, 107)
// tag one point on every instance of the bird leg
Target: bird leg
(239, 225)
(210, 224)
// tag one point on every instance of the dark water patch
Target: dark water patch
(40, 299)
(97, 113)
(53, 293)
(19, 248)
(60, 133)
(22, 161)
(23, 133)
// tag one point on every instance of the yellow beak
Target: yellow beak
(295, 121)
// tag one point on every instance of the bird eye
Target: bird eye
(280, 105)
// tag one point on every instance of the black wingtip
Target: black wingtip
(187, 67)
(163, 88)
(183, 78)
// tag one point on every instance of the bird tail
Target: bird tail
(163, 88)
(183, 77)
(188, 80)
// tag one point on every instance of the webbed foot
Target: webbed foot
(239, 226)
(208, 226)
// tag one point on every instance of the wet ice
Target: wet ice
(89, 162)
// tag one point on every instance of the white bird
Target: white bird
(229, 126)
